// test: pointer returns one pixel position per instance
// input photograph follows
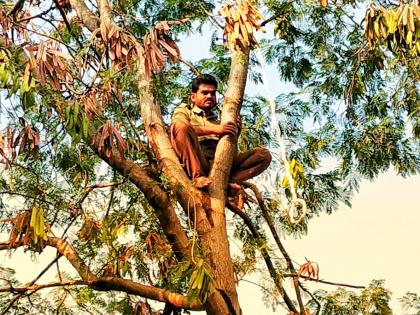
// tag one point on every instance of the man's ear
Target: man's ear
(192, 97)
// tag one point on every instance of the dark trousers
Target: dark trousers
(194, 155)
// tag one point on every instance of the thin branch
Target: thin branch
(210, 16)
(294, 275)
(63, 15)
(36, 287)
(13, 301)
(263, 23)
(267, 217)
(192, 68)
(39, 33)
(312, 296)
(264, 252)
(45, 270)
(35, 16)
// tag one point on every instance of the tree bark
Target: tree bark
(215, 243)
(114, 283)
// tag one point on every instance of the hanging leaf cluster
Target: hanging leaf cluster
(396, 28)
(309, 269)
(200, 284)
(158, 46)
(77, 122)
(28, 229)
(51, 64)
(240, 21)
(121, 46)
(109, 139)
(27, 141)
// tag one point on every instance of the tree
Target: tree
(90, 84)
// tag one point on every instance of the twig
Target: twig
(35, 16)
(264, 289)
(211, 17)
(25, 196)
(276, 237)
(192, 68)
(263, 23)
(111, 197)
(264, 252)
(63, 15)
(36, 287)
(99, 185)
(294, 275)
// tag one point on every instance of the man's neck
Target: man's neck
(206, 112)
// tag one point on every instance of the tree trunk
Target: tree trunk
(215, 243)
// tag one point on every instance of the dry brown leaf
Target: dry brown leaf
(309, 270)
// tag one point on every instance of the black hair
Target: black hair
(203, 79)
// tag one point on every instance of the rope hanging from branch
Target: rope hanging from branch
(296, 202)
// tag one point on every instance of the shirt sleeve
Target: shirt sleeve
(181, 113)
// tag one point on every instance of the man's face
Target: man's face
(205, 97)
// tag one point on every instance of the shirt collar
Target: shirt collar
(200, 112)
(212, 115)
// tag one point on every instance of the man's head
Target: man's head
(203, 91)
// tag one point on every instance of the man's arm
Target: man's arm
(219, 130)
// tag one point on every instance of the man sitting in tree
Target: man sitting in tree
(195, 131)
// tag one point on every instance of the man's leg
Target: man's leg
(186, 146)
(245, 166)
(250, 164)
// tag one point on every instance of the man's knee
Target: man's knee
(264, 156)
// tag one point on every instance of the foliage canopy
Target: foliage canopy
(87, 89)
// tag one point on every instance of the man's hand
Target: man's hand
(229, 128)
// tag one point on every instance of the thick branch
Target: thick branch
(131, 287)
(67, 250)
(215, 243)
(189, 197)
(114, 283)
(156, 196)
(85, 15)
(226, 148)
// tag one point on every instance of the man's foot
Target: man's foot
(201, 182)
(237, 194)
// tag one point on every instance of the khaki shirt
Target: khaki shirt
(196, 117)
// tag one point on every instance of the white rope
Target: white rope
(296, 201)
